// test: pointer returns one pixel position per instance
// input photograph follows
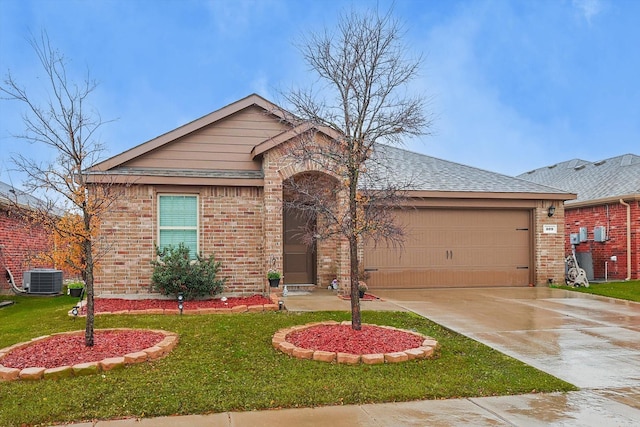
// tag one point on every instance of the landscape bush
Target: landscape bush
(176, 272)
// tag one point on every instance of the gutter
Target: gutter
(622, 202)
(598, 202)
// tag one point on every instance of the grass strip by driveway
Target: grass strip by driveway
(227, 363)
(622, 290)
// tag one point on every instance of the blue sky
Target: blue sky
(514, 85)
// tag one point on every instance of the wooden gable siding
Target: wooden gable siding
(223, 145)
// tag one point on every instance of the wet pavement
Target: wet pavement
(592, 342)
(589, 341)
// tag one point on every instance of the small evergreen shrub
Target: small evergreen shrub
(176, 273)
(75, 285)
(272, 274)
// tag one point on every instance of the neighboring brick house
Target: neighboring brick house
(605, 218)
(216, 184)
(20, 240)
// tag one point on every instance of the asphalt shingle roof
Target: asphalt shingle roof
(433, 174)
(605, 179)
(11, 194)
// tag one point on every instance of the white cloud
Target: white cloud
(588, 8)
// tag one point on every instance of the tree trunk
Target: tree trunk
(88, 253)
(356, 319)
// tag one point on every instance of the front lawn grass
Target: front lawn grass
(623, 290)
(227, 363)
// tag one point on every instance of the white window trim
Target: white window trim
(197, 226)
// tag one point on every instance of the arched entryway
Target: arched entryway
(309, 257)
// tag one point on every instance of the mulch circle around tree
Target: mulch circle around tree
(366, 297)
(65, 354)
(332, 341)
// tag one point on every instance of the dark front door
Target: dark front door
(299, 259)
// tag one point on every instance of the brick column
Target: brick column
(549, 250)
(273, 215)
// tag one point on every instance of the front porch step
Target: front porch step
(299, 287)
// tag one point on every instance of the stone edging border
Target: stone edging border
(426, 351)
(37, 373)
(274, 306)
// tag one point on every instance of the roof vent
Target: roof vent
(552, 166)
(572, 164)
(579, 167)
(627, 160)
(601, 162)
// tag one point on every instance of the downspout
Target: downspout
(622, 202)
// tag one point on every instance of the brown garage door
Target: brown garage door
(449, 248)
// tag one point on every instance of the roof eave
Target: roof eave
(603, 201)
(490, 195)
(141, 179)
(288, 135)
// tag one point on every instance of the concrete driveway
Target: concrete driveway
(589, 341)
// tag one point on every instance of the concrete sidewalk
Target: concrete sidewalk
(590, 341)
(583, 408)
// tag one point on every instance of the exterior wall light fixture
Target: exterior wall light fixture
(551, 211)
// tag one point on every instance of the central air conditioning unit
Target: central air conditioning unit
(42, 281)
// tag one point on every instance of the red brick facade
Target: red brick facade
(613, 217)
(20, 242)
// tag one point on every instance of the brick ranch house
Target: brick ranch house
(216, 184)
(20, 240)
(604, 220)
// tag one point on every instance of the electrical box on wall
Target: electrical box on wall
(600, 234)
(574, 238)
(583, 234)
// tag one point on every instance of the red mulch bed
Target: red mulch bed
(110, 305)
(62, 350)
(343, 339)
(68, 350)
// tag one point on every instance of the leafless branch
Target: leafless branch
(362, 101)
(65, 124)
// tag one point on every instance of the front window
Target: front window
(178, 221)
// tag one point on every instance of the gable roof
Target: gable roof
(188, 128)
(430, 174)
(287, 135)
(593, 182)
(394, 165)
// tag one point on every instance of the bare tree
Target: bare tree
(66, 125)
(363, 101)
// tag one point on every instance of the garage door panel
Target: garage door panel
(434, 277)
(455, 248)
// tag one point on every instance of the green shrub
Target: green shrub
(75, 285)
(272, 274)
(175, 272)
